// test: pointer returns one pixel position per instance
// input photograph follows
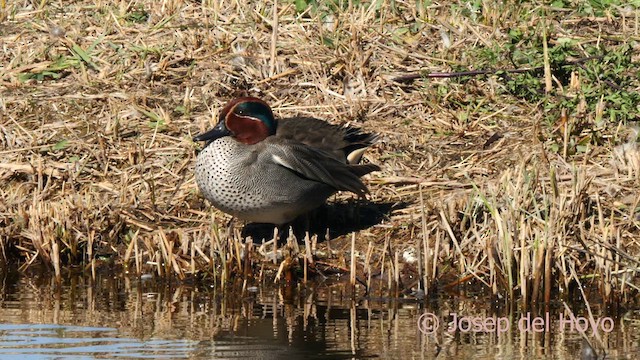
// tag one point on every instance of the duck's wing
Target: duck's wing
(316, 164)
(343, 143)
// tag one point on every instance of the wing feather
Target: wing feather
(316, 165)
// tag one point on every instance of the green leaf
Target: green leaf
(138, 16)
(24, 77)
(150, 114)
(566, 41)
(60, 145)
(163, 22)
(160, 124)
(301, 5)
(84, 56)
(327, 41)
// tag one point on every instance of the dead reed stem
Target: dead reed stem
(352, 278)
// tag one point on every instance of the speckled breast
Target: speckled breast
(222, 181)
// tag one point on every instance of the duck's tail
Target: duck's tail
(363, 169)
(358, 141)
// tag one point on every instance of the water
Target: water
(124, 318)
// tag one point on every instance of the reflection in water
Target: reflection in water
(124, 317)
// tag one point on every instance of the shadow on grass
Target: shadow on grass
(337, 218)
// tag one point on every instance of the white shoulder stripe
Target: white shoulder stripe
(278, 160)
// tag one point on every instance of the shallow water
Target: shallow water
(119, 317)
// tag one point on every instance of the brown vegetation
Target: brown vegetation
(99, 102)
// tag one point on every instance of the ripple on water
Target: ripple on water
(41, 341)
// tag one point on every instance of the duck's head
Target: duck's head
(247, 119)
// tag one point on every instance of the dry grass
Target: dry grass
(100, 101)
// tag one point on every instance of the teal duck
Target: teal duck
(266, 170)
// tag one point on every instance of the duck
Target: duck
(265, 170)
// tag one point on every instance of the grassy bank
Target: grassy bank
(509, 153)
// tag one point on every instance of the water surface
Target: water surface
(120, 317)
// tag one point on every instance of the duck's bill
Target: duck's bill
(217, 132)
